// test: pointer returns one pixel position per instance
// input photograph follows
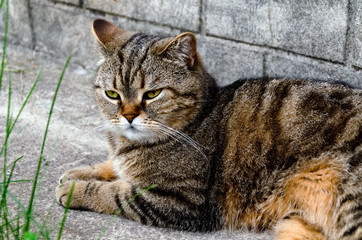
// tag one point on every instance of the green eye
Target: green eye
(152, 94)
(112, 94)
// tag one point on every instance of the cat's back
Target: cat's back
(287, 117)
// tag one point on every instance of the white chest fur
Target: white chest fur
(122, 166)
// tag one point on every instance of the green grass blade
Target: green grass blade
(66, 211)
(30, 207)
(3, 203)
(25, 180)
(24, 103)
(18, 224)
(13, 220)
(22, 208)
(7, 128)
(16, 160)
(27, 98)
(30, 236)
(12, 229)
(50, 155)
(5, 40)
(50, 229)
(4, 208)
(18, 133)
(11, 173)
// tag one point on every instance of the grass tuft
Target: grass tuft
(66, 211)
(22, 224)
(18, 225)
(9, 230)
(35, 182)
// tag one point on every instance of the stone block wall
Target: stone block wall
(319, 39)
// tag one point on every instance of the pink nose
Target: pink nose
(130, 116)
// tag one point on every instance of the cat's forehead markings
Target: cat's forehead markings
(115, 82)
(126, 55)
(131, 50)
(142, 82)
(119, 82)
(134, 59)
(130, 40)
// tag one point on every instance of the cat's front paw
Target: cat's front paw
(75, 174)
(63, 191)
(66, 177)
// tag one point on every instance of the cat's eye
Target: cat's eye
(151, 94)
(112, 94)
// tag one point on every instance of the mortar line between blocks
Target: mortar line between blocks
(202, 17)
(31, 24)
(347, 45)
(264, 46)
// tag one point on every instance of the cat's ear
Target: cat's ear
(108, 35)
(181, 49)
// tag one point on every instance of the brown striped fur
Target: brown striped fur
(258, 154)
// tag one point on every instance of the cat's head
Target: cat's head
(148, 86)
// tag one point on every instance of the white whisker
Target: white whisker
(182, 135)
(163, 131)
(153, 130)
(178, 135)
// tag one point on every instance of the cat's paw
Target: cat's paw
(63, 191)
(75, 174)
(67, 176)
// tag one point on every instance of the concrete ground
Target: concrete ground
(73, 140)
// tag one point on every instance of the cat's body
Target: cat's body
(256, 154)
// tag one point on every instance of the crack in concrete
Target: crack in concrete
(270, 24)
(202, 17)
(31, 24)
(347, 51)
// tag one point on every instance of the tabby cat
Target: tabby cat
(258, 154)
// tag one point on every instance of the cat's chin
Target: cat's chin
(140, 136)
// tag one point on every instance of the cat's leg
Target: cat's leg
(315, 192)
(154, 206)
(295, 228)
(347, 217)
(102, 172)
(98, 196)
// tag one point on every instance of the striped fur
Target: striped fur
(257, 154)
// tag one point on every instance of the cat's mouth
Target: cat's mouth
(132, 128)
(141, 130)
(138, 133)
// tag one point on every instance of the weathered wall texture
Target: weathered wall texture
(318, 39)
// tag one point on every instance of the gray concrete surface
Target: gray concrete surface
(354, 51)
(73, 141)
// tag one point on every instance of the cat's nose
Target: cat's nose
(130, 116)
